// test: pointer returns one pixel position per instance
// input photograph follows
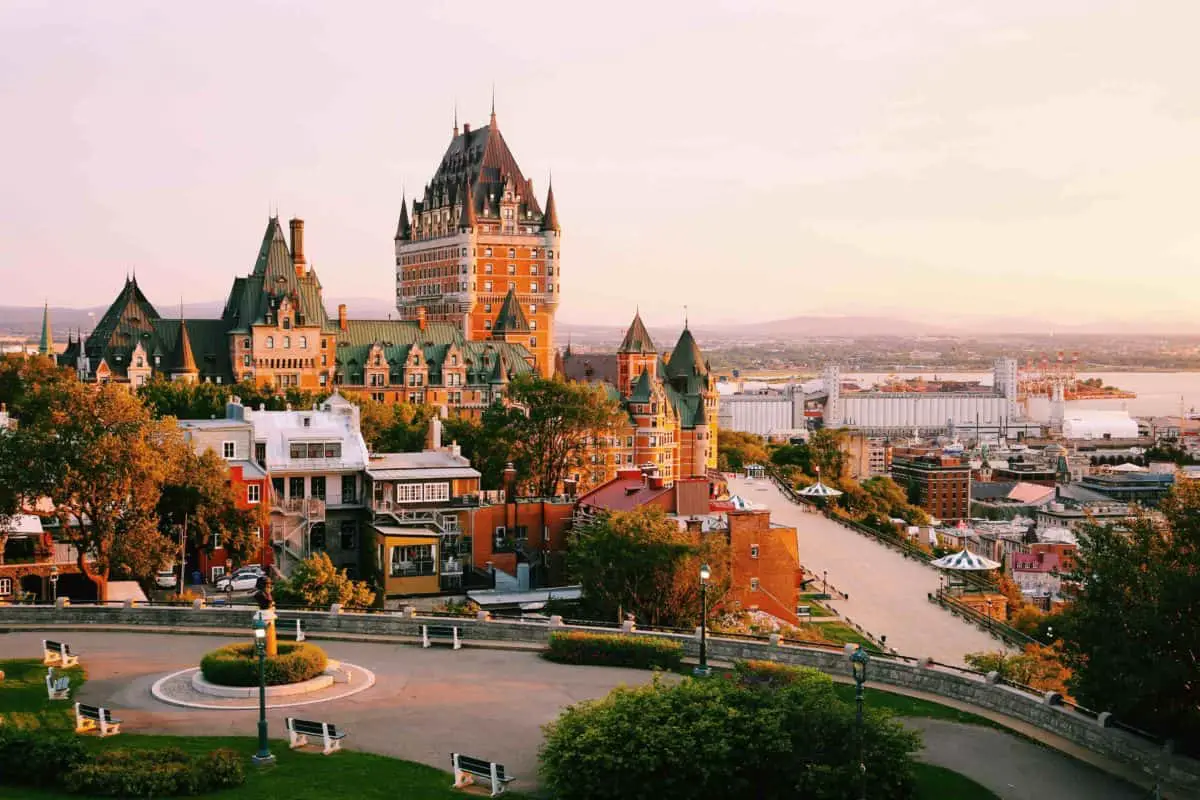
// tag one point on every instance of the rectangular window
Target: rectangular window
(437, 492)
(297, 450)
(754, 551)
(5, 587)
(295, 487)
(333, 449)
(229, 450)
(217, 572)
(412, 561)
(215, 540)
(260, 452)
(349, 534)
(408, 493)
(253, 493)
(349, 490)
(318, 486)
(754, 584)
(315, 450)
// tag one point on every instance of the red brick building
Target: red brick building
(938, 483)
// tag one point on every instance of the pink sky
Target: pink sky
(1026, 157)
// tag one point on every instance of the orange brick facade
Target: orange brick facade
(765, 565)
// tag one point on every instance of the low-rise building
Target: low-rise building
(935, 481)
(35, 566)
(1039, 574)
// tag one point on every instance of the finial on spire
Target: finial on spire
(493, 103)
(456, 116)
(685, 317)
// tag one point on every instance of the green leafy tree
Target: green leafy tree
(640, 562)
(166, 398)
(825, 445)
(791, 455)
(317, 583)
(489, 443)
(1131, 636)
(550, 424)
(98, 457)
(393, 427)
(199, 501)
(736, 449)
(723, 738)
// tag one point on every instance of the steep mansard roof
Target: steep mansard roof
(637, 338)
(686, 358)
(511, 318)
(436, 342)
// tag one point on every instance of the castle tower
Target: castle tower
(46, 344)
(476, 234)
(185, 369)
(635, 356)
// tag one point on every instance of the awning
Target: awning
(966, 561)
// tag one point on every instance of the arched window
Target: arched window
(287, 323)
(246, 344)
(270, 342)
(304, 342)
(287, 342)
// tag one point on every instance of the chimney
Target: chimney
(421, 318)
(570, 486)
(298, 260)
(433, 441)
(234, 409)
(656, 481)
(342, 316)
(510, 482)
(466, 128)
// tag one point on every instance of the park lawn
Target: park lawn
(23, 700)
(939, 783)
(840, 633)
(297, 775)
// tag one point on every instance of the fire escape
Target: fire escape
(291, 534)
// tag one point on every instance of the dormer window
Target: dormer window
(270, 342)
(246, 344)
(454, 360)
(287, 323)
(141, 362)
(157, 360)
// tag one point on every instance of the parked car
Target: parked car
(166, 579)
(243, 579)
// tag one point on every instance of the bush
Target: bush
(155, 773)
(37, 757)
(237, 664)
(720, 738)
(770, 673)
(615, 650)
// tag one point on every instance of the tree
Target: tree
(316, 583)
(790, 455)
(826, 448)
(550, 424)
(199, 500)
(640, 562)
(488, 444)
(1131, 636)
(736, 449)
(1039, 666)
(166, 398)
(98, 457)
(725, 738)
(393, 427)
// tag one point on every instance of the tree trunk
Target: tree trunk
(99, 578)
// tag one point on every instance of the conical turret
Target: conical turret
(550, 218)
(46, 344)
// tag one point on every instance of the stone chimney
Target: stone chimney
(510, 482)
(421, 318)
(342, 316)
(298, 260)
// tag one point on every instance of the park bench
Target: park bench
(57, 688)
(58, 653)
(300, 729)
(468, 768)
(447, 633)
(94, 718)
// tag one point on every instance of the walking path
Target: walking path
(491, 703)
(887, 591)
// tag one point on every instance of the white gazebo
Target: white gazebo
(966, 561)
(819, 489)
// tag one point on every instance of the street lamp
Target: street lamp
(858, 665)
(263, 757)
(54, 582)
(989, 612)
(824, 581)
(702, 669)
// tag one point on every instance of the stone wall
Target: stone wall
(962, 685)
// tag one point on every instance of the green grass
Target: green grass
(840, 633)
(939, 783)
(302, 775)
(297, 775)
(905, 706)
(23, 700)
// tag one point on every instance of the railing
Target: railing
(404, 515)
(992, 625)
(411, 569)
(310, 508)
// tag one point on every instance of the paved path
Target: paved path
(490, 703)
(887, 591)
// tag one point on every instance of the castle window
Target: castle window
(270, 342)
(246, 360)
(487, 286)
(287, 323)
(287, 342)
(487, 269)
(304, 342)
(533, 287)
(512, 252)
(512, 269)
(141, 362)
(246, 343)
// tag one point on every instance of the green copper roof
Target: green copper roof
(511, 318)
(46, 345)
(637, 339)
(641, 389)
(686, 358)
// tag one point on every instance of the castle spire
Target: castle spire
(456, 118)
(493, 119)
(550, 218)
(468, 219)
(403, 228)
(46, 345)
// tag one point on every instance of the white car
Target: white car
(166, 579)
(242, 580)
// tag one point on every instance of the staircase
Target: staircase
(290, 534)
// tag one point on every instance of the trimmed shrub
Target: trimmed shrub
(719, 738)
(34, 757)
(771, 673)
(155, 773)
(615, 650)
(237, 664)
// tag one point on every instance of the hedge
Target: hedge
(34, 757)
(155, 773)
(615, 650)
(237, 664)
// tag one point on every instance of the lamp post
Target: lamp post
(858, 665)
(824, 581)
(54, 582)
(989, 612)
(702, 669)
(263, 757)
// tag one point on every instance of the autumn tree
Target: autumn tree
(316, 583)
(1130, 635)
(640, 562)
(550, 424)
(825, 445)
(95, 453)
(488, 443)
(736, 449)
(199, 501)
(182, 400)
(1039, 666)
(392, 427)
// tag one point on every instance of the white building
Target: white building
(1086, 423)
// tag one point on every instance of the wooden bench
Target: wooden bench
(300, 729)
(58, 653)
(57, 688)
(447, 633)
(94, 718)
(468, 768)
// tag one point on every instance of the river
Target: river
(1158, 393)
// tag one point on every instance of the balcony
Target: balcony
(340, 499)
(411, 569)
(309, 508)
(405, 516)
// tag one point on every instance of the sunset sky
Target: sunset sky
(751, 160)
